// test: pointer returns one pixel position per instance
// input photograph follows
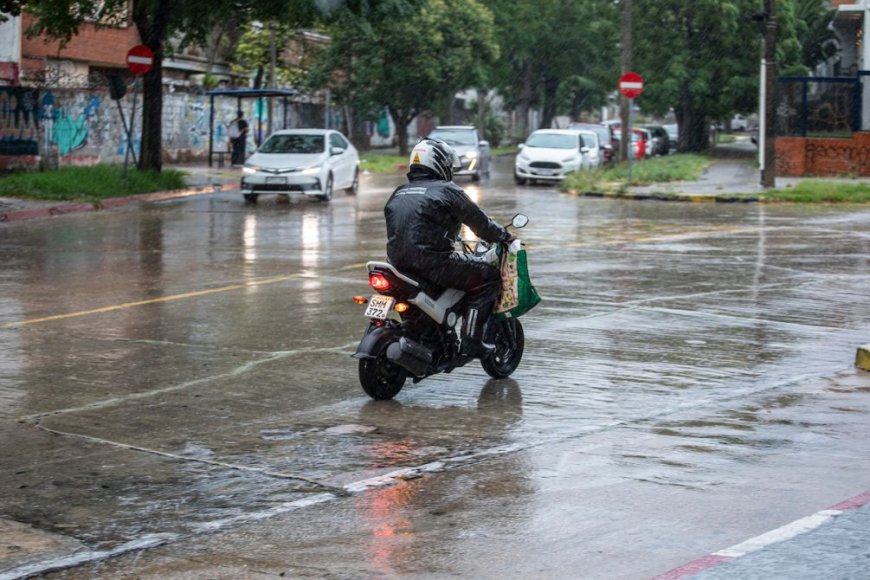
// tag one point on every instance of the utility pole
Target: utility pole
(767, 130)
(272, 82)
(625, 104)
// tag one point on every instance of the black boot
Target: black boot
(473, 344)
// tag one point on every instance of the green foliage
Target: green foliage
(407, 56)
(253, 55)
(377, 162)
(822, 191)
(679, 167)
(88, 183)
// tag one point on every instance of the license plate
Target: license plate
(379, 306)
(276, 180)
(546, 172)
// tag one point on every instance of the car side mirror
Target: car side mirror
(483, 143)
(584, 150)
(520, 220)
(336, 150)
(521, 145)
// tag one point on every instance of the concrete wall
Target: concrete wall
(798, 157)
(83, 126)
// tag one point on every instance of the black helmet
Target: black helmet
(436, 156)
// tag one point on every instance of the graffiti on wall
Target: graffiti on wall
(19, 122)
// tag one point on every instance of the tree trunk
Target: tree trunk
(402, 119)
(524, 103)
(551, 85)
(151, 149)
(481, 113)
(152, 22)
(694, 132)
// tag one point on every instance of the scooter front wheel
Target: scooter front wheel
(380, 378)
(509, 342)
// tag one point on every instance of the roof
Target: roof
(254, 93)
(465, 127)
(304, 130)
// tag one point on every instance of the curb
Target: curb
(758, 543)
(862, 358)
(683, 197)
(66, 208)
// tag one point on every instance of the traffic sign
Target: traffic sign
(140, 59)
(631, 85)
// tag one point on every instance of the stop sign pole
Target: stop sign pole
(139, 60)
(631, 87)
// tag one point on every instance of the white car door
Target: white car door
(342, 164)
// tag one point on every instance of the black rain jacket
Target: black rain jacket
(424, 218)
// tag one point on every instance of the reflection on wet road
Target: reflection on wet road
(184, 367)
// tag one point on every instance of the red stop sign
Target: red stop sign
(631, 85)
(140, 59)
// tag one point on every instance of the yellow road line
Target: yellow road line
(153, 301)
(170, 298)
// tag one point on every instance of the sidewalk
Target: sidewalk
(200, 179)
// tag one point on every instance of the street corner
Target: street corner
(22, 545)
(862, 357)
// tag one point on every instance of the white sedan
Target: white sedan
(313, 162)
(550, 155)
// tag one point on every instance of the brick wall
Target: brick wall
(798, 157)
(101, 47)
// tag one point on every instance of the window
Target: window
(302, 144)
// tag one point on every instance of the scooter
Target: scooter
(413, 329)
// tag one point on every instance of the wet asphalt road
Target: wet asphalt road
(179, 374)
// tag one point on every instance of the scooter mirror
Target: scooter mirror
(520, 220)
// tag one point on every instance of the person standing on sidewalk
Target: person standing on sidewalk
(238, 132)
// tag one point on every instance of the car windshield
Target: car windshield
(552, 141)
(298, 143)
(454, 136)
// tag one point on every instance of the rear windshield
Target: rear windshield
(454, 136)
(600, 130)
(552, 141)
(293, 144)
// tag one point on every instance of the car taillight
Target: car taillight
(379, 282)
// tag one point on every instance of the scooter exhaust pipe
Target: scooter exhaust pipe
(410, 355)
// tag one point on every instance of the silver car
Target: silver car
(474, 153)
(313, 162)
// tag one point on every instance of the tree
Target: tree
(711, 69)
(570, 71)
(157, 21)
(407, 56)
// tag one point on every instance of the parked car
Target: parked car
(638, 144)
(595, 154)
(474, 153)
(673, 136)
(313, 162)
(646, 136)
(660, 139)
(550, 155)
(606, 141)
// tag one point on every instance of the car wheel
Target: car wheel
(354, 187)
(475, 176)
(251, 197)
(519, 180)
(327, 191)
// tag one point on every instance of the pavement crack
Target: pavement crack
(320, 486)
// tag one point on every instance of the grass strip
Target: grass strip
(376, 162)
(677, 167)
(88, 184)
(821, 191)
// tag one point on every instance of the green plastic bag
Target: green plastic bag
(518, 295)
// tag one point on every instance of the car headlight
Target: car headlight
(522, 157)
(311, 170)
(470, 155)
(250, 169)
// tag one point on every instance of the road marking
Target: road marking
(781, 534)
(170, 298)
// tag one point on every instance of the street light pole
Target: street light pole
(625, 108)
(767, 129)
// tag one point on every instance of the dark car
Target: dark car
(606, 141)
(660, 139)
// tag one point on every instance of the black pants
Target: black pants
(238, 154)
(480, 281)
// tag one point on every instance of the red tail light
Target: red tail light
(379, 282)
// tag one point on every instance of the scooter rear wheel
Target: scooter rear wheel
(509, 342)
(380, 378)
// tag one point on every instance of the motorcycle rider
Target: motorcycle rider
(424, 218)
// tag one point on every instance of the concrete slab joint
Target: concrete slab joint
(862, 359)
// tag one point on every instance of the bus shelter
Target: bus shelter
(240, 95)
